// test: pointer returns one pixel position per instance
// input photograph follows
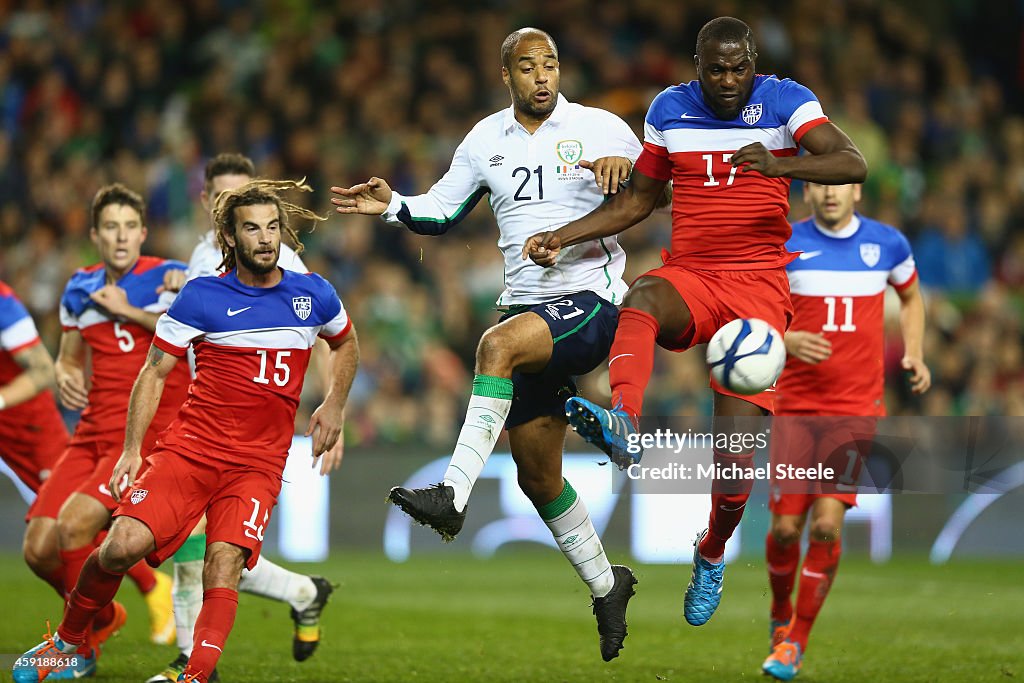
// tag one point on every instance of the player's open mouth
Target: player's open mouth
(542, 96)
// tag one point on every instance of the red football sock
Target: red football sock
(73, 561)
(815, 579)
(782, 561)
(632, 359)
(728, 499)
(56, 579)
(95, 590)
(211, 631)
(143, 576)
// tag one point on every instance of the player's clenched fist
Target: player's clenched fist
(756, 157)
(125, 471)
(371, 198)
(543, 248)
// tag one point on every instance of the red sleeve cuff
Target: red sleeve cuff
(802, 130)
(341, 335)
(654, 162)
(27, 345)
(911, 280)
(168, 347)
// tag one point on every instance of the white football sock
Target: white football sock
(488, 408)
(569, 522)
(277, 583)
(187, 589)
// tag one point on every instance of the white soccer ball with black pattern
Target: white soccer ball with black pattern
(746, 355)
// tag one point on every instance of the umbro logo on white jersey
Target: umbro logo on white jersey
(809, 254)
(688, 116)
(496, 160)
(231, 313)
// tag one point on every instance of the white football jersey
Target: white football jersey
(536, 184)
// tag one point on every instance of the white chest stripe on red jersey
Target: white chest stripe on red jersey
(266, 338)
(837, 282)
(726, 139)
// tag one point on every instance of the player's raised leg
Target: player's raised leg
(522, 342)
(816, 576)
(537, 449)
(652, 311)
(102, 572)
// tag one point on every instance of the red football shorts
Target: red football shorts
(32, 449)
(805, 441)
(84, 467)
(176, 490)
(716, 297)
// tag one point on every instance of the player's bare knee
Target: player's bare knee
(643, 296)
(495, 354)
(119, 553)
(786, 533)
(223, 565)
(825, 530)
(74, 531)
(39, 548)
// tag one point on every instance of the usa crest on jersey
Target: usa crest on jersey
(752, 113)
(870, 253)
(139, 495)
(303, 306)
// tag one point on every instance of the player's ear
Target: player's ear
(145, 233)
(857, 192)
(204, 199)
(505, 76)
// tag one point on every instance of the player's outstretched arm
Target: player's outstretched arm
(37, 376)
(328, 419)
(833, 159)
(70, 371)
(146, 393)
(912, 327)
(624, 210)
(370, 198)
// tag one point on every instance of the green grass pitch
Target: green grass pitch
(524, 616)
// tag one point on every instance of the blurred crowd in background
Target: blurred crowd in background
(94, 91)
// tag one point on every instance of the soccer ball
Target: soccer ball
(746, 355)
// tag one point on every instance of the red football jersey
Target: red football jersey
(722, 218)
(838, 285)
(18, 332)
(118, 348)
(252, 347)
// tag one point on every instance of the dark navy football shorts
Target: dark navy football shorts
(582, 327)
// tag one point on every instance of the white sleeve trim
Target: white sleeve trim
(19, 334)
(904, 272)
(653, 135)
(394, 206)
